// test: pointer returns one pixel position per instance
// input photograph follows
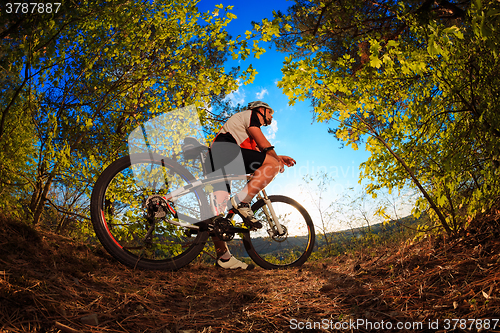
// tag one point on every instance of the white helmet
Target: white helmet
(256, 104)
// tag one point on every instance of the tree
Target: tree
(87, 75)
(416, 82)
(317, 187)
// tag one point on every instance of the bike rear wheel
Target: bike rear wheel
(120, 220)
(290, 249)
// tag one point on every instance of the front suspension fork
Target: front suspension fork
(268, 208)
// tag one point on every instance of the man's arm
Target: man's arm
(261, 140)
(262, 143)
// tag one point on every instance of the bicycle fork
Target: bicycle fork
(274, 224)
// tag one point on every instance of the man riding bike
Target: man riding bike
(242, 134)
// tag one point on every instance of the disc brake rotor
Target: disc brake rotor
(278, 237)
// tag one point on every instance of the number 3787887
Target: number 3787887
(32, 7)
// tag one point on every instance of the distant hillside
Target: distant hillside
(381, 229)
(341, 240)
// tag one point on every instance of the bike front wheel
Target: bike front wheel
(291, 248)
(120, 217)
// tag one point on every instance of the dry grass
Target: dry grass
(49, 283)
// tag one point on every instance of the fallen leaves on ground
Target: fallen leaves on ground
(50, 283)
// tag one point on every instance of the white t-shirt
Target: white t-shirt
(236, 129)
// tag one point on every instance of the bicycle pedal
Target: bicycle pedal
(253, 225)
(238, 229)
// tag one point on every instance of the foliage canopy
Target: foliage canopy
(416, 82)
(79, 80)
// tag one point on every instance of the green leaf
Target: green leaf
(375, 62)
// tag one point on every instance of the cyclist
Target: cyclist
(242, 134)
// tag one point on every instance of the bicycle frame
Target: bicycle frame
(200, 184)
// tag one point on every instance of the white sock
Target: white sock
(226, 255)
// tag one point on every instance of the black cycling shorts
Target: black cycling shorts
(228, 158)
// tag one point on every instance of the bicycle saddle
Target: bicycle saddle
(192, 148)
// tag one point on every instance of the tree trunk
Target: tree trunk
(41, 201)
(433, 205)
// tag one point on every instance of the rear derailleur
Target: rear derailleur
(157, 207)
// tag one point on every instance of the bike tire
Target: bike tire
(120, 232)
(288, 250)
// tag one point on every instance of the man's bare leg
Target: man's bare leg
(221, 199)
(220, 248)
(261, 178)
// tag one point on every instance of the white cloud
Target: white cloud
(236, 97)
(271, 130)
(262, 93)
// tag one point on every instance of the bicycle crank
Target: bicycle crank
(224, 229)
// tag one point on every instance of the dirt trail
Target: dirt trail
(50, 283)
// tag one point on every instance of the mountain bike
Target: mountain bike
(155, 212)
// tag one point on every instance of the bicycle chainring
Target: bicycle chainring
(222, 228)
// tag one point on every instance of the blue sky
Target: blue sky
(294, 133)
